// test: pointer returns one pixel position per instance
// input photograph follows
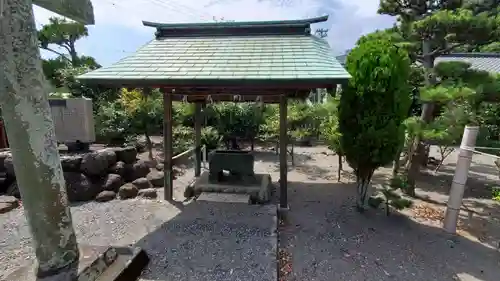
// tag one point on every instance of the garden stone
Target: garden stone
(4, 182)
(140, 169)
(97, 163)
(79, 187)
(160, 167)
(3, 156)
(105, 196)
(9, 166)
(156, 178)
(189, 192)
(118, 168)
(111, 182)
(149, 193)
(13, 190)
(127, 155)
(128, 191)
(142, 183)
(71, 163)
(8, 203)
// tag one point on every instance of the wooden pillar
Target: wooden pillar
(167, 145)
(283, 153)
(198, 119)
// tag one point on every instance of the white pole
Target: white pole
(460, 178)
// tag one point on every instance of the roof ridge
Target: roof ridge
(252, 28)
(472, 54)
(235, 23)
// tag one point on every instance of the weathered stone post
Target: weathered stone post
(28, 122)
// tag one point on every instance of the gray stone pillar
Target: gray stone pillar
(28, 122)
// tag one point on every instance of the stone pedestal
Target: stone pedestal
(260, 191)
(97, 263)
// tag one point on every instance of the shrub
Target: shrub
(210, 138)
(112, 123)
(372, 109)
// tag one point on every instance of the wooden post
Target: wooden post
(198, 118)
(283, 153)
(167, 145)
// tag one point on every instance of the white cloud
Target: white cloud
(349, 19)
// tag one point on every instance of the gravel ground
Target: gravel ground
(188, 241)
(328, 240)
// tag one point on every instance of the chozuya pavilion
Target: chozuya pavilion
(269, 61)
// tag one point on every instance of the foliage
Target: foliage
(64, 34)
(210, 138)
(145, 110)
(495, 194)
(269, 130)
(330, 131)
(448, 24)
(182, 139)
(373, 108)
(441, 26)
(60, 95)
(236, 120)
(446, 130)
(183, 113)
(112, 123)
(390, 197)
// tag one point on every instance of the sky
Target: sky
(118, 29)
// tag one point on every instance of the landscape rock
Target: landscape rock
(79, 187)
(13, 190)
(97, 163)
(3, 156)
(140, 169)
(5, 182)
(189, 192)
(127, 191)
(105, 196)
(160, 167)
(118, 168)
(9, 166)
(156, 178)
(71, 163)
(8, 203)
(112, 182)
(142, 183)
(149, 193)
(127, 155)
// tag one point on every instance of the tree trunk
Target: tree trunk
(73, 54)
(397, 162)
(149, 145)
(363, 185)
(339, 172)
(28, 121)
(418, 155)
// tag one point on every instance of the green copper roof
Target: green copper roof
(206, 25)
(225, 59)
(489, 62)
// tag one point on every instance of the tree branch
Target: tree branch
(66, 46)
(56, 52)
(439, 51)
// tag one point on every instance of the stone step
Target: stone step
(224, 197)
